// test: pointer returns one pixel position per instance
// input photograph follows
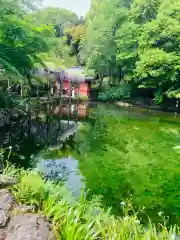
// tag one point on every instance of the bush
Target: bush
(115, 93)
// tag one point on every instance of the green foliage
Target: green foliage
(53, 17)
(32, 37)
(99, 40)
(20, 41)
(157, 65)
(121, 92)
(81, 219)
(136, 41)
(68, 30)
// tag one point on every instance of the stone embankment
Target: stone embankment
(20, 222)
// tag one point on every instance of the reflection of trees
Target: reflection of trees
(122, 156)
(33, 132)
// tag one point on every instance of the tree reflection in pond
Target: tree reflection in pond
(128, 154)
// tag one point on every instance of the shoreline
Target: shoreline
(151, 107)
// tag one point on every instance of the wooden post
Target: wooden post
(78, 84)
(70, 91)
(60, 91)
(29, 121)
(21, 90)
(69, 105)
(49, 90)
(177, 106)
(37, 90)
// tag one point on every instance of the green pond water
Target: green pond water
(123, 154)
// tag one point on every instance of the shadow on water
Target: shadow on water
(118, 153)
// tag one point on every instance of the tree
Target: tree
(53, 17)
(136, 41)
(75, 35)
(68, 30)
(100, 38)
(143, 11)
(127, 49)
(159, 63)
(20, 41)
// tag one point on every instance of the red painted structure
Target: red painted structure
(81, 88)
(73, 83)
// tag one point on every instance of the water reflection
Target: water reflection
(41, 127)
(63, 169)
(122, 153)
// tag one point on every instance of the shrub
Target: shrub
(120, 92)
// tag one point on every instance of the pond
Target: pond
(123, 154)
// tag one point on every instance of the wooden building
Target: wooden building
(72, 82)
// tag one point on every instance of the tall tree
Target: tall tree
(20, 41)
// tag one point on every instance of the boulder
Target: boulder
(3, 234)
(4, 218)
(6, 200)
(6, 182)
(6, 204)
(21, 208)
(29, 226)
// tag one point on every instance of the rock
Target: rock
(6, 204)
(3, 234)
(29, 227)
(124, 104)
(23, 209)
(6, 182)
(6, 200)
(4, 218)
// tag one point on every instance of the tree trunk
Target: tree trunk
(101, 79)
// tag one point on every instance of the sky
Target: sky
(80, 7)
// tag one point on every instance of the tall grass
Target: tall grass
(80, 219)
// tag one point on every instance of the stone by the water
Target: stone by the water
(29, 227)
(6, 200)
(17, 222)
(6, 182)
(4, 218)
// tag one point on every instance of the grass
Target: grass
(80, 219)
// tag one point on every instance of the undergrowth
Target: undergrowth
(79, 219)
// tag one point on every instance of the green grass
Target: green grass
(80, 219)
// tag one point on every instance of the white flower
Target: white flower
(160, 213)
(173, 236)
(10, 147)
(122, 203)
